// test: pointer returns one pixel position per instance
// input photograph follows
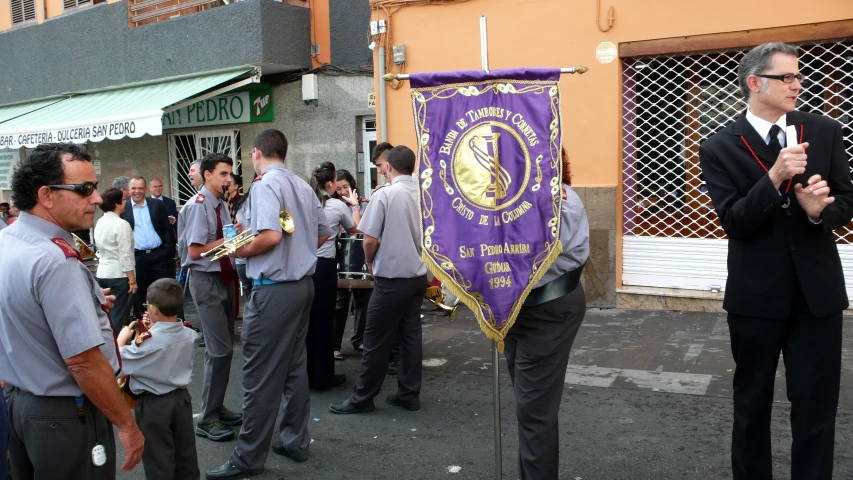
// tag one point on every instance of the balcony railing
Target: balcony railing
(143, 12)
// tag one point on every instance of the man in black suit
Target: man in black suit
(154, 240)
(785, 289)
(156, 190)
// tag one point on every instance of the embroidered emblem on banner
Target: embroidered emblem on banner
(489, 171)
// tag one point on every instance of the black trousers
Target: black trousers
(245, 281)
(537, 355)
(811, 348)
(360, 299)
(321, 326)
(150, 267)
(49, 441)
(121, 310)
(394, 313)
(166, 422)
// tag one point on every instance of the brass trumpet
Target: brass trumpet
(85, 252)
(231, 246)
(286, 221)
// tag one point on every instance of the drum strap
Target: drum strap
(555, 289)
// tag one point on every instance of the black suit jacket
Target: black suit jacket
(171, 210)
(159, 218)
(770, 246)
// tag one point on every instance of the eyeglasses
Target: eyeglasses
(146, 305)
(85, 188)
(785, 78)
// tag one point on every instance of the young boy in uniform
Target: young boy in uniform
(160, 364)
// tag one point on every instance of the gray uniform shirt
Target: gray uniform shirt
(163, 362)
(338, 217)
(574, 235)
(200, 227)
(392, 218)
(244, 217)
(51, 309)
(295, 256)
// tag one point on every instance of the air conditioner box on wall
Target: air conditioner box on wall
(310, 89)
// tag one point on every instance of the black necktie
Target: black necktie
(776, 147)
(774, 144)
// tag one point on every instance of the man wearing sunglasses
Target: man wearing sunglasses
(779, 197)
(62, 392)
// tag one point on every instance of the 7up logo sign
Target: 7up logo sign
(261, 105)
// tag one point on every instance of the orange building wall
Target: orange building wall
(5, 15)
(562, 33)
(321, 31)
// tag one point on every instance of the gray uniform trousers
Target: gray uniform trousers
(215, 304)
(393, 313)
(166, 422)
(537, 354)
(49, 441)
(275, 376)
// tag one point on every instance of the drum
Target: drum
(352, 267)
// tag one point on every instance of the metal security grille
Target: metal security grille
(673, 103)
(186, 148)
(23, 10)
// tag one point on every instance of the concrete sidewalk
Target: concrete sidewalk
(647, 397)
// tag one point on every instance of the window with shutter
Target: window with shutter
(74, 3)
(23, 11)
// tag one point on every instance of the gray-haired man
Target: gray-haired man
(785, 288)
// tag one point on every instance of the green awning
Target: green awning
(114, 113)
(9, 112)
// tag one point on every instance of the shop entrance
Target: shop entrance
(185, 148)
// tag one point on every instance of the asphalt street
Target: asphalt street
(647, 397)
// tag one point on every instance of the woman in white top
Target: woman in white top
(114, 240)
(321, 328)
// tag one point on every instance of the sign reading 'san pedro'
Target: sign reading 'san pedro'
(489, 169)
(254, 104)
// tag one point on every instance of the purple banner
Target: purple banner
(489, 169)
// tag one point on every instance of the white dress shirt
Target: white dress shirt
(763, 127)
(114, 239)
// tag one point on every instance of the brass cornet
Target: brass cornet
(231, 246)
(286, 221)
(85, 252)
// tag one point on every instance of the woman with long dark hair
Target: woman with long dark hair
(345, 190)
(321, 328)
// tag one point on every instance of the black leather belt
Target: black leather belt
(555, 289)
(142, 252)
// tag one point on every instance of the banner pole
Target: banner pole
(496, 379)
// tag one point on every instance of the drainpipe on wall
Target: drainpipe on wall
(383, 109)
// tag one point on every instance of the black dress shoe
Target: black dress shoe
(227, 470)
(393, 400)
(278, 448)
(345, 407)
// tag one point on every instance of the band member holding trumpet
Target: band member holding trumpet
(290, 226)
(212, 289)
(321, 329)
